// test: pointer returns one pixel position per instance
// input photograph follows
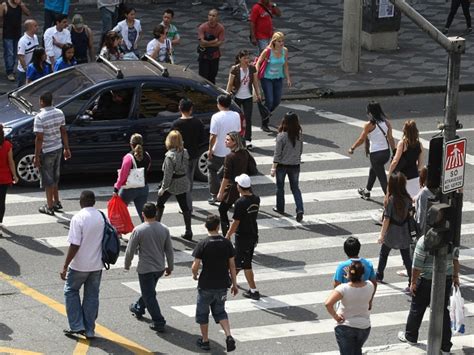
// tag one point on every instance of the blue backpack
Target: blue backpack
(110, 244)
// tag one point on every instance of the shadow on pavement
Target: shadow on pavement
(8, 265)
(5, 332)
(31, 243)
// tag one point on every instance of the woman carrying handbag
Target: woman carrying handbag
(132, 183)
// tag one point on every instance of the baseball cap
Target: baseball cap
(243, 181)
(77, 21)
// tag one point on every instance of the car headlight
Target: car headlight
(7, 130)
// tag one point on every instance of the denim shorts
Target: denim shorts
(50, 168)
(213, 298)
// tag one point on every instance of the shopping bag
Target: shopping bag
(456, 311)
(118, 215)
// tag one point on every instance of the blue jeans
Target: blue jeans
(108, 18)
(138, 195)
(82, 316)
(272, 89)
(350, 340)
(10, 47)
(148, 299)
(213, 298)
(293, 172)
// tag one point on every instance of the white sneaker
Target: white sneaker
(248, 145)
(377, 218)
(401, 337)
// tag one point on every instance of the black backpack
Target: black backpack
(110, 244)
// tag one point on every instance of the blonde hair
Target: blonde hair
(174, 140)
(276, 36)
(410, 133)
(136, 141)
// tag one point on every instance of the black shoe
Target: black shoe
(46, 210)
(265, 128)
(253, 295)
(274, 209)
(57, 206)
(230, 343)
(73, 333)
(445, 31)
(136, 312)
(299, 217)
(364, 193)
(468, 30)
(187, 236)
(204, 345)
(160, 328)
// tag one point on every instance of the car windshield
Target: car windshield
(63, 85)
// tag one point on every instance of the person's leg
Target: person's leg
(213, 166)
(49, 195)
(247, 106)
(452, 12)
(74, 311)
(3, 195)
(345, 339)
(140, 199)
(378, 161)
(293, 177)
(49, 19)
(204, 68)
(223, 209)
(267, 88)
(361, 336)
(213, 70)
(192, 163)
(419, 302)
(372, 176)
(383, 256)
(14, 53)
(90, 303)
(465, 9)
(280, 188)
(446, 337)
(20, 78)
(56, 175)
(183, 204)
(148, 283)
(407, 262)
(218, 309)
(249, 276)
(8, 54)
(204, 298)
(277, 92)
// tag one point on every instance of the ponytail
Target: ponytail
(138, 152)
(137, 146)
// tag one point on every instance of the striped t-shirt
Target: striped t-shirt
(48, 121)
(422, 260)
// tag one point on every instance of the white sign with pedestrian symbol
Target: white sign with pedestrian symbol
(453, 165)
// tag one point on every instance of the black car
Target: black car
(99, 138)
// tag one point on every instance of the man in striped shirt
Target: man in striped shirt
(50, 129)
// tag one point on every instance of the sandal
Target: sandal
(46, 210)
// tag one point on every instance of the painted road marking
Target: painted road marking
(5, 350)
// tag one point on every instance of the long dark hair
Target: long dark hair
(242, 53)
(66, 47)
(37, 59)
(109, 40)
(291, 124)
(397, 190)
(376, 112)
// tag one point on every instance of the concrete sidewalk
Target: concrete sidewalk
(313, 31)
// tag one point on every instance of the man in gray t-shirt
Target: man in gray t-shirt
(153, 242)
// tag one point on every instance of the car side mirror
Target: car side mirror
(84, 118)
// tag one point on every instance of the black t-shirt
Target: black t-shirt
(246, 211)
(215, 253)
(192, 131)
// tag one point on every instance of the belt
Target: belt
(177, 176)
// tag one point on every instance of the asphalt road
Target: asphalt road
(293, 265)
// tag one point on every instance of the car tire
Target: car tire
(200, 173)
(28, 175)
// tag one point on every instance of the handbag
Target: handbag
(136, 176)
(263, 65)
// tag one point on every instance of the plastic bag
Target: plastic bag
(456, 311)
(119, 216)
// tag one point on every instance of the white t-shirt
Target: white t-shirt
(26, 46)
(87, 230)
(354, 305)
(154, 43)
(62, 37)
(244, 89)
(222, 123)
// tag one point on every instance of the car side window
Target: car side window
(112, 105)
(203, 102)
(73, 108)
(158, 101)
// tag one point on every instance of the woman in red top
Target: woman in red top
(7, 171)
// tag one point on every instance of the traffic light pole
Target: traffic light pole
(455, 46)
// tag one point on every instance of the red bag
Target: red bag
(263, 65)
(119, 216)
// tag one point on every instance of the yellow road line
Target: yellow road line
(5, 350)
(81, 347)
(58, 307)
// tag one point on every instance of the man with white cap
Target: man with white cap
(245, 227)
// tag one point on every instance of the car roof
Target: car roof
(98, 72)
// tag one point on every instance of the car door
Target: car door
(99, 143)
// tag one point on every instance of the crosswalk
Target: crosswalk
(294, 262)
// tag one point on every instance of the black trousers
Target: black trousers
(3, 195)
(377, 169)
(454, 8)
(208, 69)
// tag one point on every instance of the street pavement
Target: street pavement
(313, 31)
(294, 262)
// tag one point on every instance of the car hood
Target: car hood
(10, 114)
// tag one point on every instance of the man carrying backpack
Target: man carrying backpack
(83, 266)
(153, 241)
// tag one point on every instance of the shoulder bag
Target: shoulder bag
(136, 176)
(263, 65)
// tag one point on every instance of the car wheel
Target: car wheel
(28, 175)
(201, 172)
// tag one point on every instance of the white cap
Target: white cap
(243, 181)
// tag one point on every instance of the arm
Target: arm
(3, 9)
(71, 253)
(90, 36)
(230, 83)
(456, 268)
(124, 171)
(195, 268)
(11, 165)
(256, 86)
(220, 194)
(253, 39)
(25, 10)
(169, 255)
(176, 39)
(385, 224)
(65, 7)
(390, 138)
(49, 47)
(263, 56)
(374, 282)
(421, 158)
(21, 59)
(286, 68)
(167, 174)
(38, 145)
(361, 138)
(67, 151)
(277, 154)
(212, 141)
(330, 302)
(415, 274)
(233, 228)
(233, 275)
(131, 249)
(396, 158)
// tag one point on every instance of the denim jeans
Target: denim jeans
(138, 195)
(10, 47)
(213, 167)
(246, 105)
(419, 302)
(377, 169)
(293, 172)
(350, 340)
(214, 299)
(148, 299)
(82, 316)
(383, 256)
(272, 89)
(108, 18)
(262, 44)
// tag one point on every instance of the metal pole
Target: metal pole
(351, 32)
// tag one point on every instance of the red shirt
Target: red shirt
(262, 21)
(218, 32)
(5, 173)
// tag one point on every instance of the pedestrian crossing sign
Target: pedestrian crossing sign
(454, 160)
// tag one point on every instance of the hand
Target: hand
(167, 271)
(253, 40)
(161, 192)
(209, 154)
(67, 154)
(350, 151)
(195, 277)
(234, 290)
(380, 240)
(15, 179)
(63, 273)
(289, 82)
(37, 162)
(56, 43)
(272, 172)
(114, 194)
(370, 305)
(413, 288)
(339, 318)
(456, 281)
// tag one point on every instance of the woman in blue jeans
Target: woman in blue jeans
(276, 57)
(353, 314)
(286, 161)
(137, 158)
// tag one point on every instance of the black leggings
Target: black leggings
(377, 169)
(3, 195)
(454, 8)
(181, 198)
